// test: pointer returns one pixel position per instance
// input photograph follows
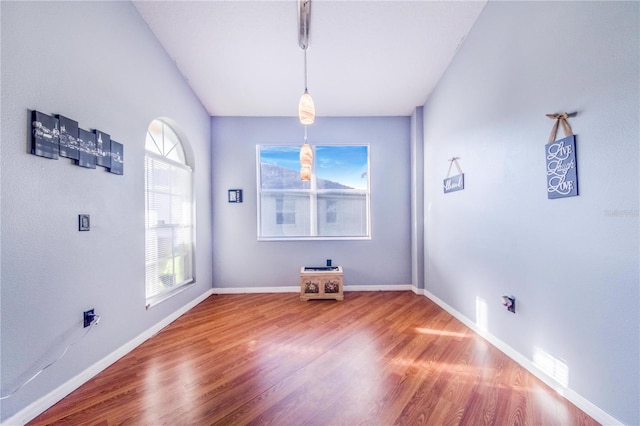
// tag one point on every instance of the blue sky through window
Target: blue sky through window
(344, 164)
(283, 156)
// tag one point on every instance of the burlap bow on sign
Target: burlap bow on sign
(560, 118)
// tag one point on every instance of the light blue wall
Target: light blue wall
(571, 263)
(97, 63)
(240, 261)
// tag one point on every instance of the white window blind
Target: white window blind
(168, 215)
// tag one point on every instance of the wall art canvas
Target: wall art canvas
(86, 147)
(44, 135)
(68, 137)
(562, 169)
(103, 149)
(117, 158)
(84, 222)
(454, 183)
(235, 195)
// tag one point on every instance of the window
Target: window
(168, 214)
(334, 204)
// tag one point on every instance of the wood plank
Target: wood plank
(376, 358)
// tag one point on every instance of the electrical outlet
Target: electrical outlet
(88, 317)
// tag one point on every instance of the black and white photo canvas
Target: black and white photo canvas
(103, 149)
(117, 158)
(44, 135)
(68, 137)
(86, 146)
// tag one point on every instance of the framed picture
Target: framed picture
(86, 147)
(84, 223)
(235, 195)
(117, 158)
(68, 137)
(44, 135)
(103, 149)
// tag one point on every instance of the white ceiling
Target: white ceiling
(365, 58)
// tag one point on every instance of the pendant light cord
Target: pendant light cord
(305, 70)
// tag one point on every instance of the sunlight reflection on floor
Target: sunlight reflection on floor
(423, 330)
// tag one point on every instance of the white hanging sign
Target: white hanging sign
(562, 174)
(453, 183)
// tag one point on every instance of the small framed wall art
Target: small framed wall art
(54, 136)
(103, 149)
(117, 158)
(235, 195)
(86, 146)
(453, 183)
(45, 135)
(84, 223)
(68, 137)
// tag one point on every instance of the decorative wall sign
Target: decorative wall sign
(103, 149)
(60, 136)
(562, 168)
(117, 158)
(562, 175)
(68, 137)
(86, 147)
(454, 183)
(235, 195)
(44, 135)
(84, 223)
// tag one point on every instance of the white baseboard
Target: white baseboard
(296, 289)
(39, 406)
(575, 398)
(398, 287)
(36, 408)
(243, 290)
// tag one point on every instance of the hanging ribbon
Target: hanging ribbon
(560, 118)
(451, 161)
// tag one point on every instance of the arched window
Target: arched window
(168, 214)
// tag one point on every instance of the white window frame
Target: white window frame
(151, 256)
(313, 193)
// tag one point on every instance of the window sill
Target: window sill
(155, 300)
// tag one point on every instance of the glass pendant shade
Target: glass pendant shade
(306, 156)
(305, 173)
(306, 109)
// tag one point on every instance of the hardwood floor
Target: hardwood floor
(376, 358)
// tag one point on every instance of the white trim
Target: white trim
(242, 290)
(572, 396)
(312, 193)
(39, 406)
(296, 289)
(393, 287)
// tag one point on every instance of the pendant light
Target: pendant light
(306, 157)
(306, 109)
